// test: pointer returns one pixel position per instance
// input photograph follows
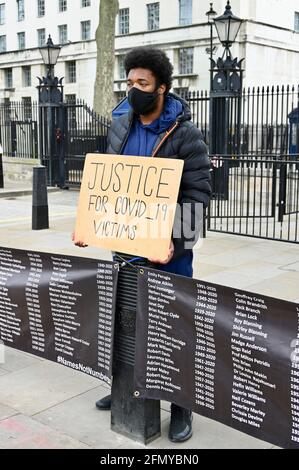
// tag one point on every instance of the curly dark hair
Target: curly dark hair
(152, 59)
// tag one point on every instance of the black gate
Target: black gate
(69, 131)
(262, 197)
(19, 129)
(86, 132)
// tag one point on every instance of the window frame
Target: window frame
(4, 39)
(121, 67)
(124, 21)
(21, 11)
(82, 26)
(2, 18)
(184, 67)
(60, 26)
(71, 74)
(156, 8)
(21, 34)
(39, 44)
(25, 75)
(6, 83)
(62, 6)
(27, 107)
(183, 8)
(40, 8)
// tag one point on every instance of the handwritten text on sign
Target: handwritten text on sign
(127, 204)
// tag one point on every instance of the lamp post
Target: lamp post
(226, 96)
(51, 116)
(226, 84)
(210, 14)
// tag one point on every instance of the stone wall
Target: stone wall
(18, 169)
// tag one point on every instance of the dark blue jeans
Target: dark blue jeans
(182, 265)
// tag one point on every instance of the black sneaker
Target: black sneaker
(180, 428)
(104, 403)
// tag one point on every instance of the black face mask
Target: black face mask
(142, 102)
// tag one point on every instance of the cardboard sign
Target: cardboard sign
(127, 204)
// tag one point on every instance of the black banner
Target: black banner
(60, 308)
(227, 354)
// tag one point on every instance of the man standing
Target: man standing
(159, 124)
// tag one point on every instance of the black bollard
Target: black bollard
(1, 168)
(136, 418)
(40, 212)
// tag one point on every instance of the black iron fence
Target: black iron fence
(19, 129)
(258, 198)
(269, 124)
(199, 102)
(268, 120)
(77, 130)
(86, 132)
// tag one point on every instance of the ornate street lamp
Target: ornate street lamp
(50, 88)
(227, 72)
(50, 54)
(227, 26)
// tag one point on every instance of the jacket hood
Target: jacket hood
(186, 111)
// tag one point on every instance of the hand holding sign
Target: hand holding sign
(164, 260)
(78, 242)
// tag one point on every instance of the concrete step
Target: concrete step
(5, 193)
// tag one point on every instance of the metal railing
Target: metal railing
(19, 129)
(269, 120)
(86, 132)
(258, 198)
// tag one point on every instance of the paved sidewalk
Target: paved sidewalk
(46, 405)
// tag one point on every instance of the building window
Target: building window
(40, 7)
(296, 27)
(3, 43)
(85, 30)
(21, 10)
(21, 40)
(85, 3)
(181, 91)
(70, 98)
(62, 33)
(41, 37)
(27, 107)
(124, 21)
(71, 111)
(153, 16)
(62, 5)
(185, 12)
(121, 67)
(186, 60)
(2, 13)
(8, 78)
(71, 71)
(119, 95)
(26, 75)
